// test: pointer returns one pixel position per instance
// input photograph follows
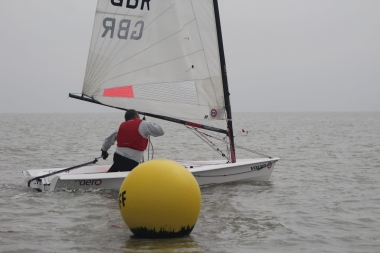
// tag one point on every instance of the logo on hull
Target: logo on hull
(258, 167)
(96, 182)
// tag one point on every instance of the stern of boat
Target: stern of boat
(49, 182)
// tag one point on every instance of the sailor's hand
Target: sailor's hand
(104, 154)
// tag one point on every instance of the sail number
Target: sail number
(131, 5)
(123, 30)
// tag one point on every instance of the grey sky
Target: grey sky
(281, 55)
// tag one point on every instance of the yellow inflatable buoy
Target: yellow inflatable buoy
(160, 199)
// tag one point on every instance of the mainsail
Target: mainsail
(157, 56)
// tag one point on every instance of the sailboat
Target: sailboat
(166, 60)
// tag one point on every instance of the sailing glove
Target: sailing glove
(104, 154)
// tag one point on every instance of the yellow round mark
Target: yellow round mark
(160, 198)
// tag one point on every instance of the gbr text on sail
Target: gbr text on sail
(123, 27)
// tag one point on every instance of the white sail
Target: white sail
(156, 56)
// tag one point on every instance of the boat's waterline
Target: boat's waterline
(205, 172)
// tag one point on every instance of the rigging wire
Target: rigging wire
(237, 146)
(207, 141)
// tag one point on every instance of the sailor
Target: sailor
(132, 140)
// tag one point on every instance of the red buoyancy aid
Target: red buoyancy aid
(128, 135)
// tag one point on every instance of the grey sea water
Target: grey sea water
(323, 195)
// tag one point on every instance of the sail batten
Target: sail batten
(159, 57)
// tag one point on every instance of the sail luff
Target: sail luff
(90, 56)
(225, 82)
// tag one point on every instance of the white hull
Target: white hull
(205, 172)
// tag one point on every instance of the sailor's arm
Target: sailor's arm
(109, 141)
(150, 128)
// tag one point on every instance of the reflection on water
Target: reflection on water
(184, 244)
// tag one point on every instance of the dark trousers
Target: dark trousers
(121, 163)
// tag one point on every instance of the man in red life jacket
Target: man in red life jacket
(132, 140)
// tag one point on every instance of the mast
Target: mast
(225, 82)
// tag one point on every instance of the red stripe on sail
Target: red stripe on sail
(122, 92)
